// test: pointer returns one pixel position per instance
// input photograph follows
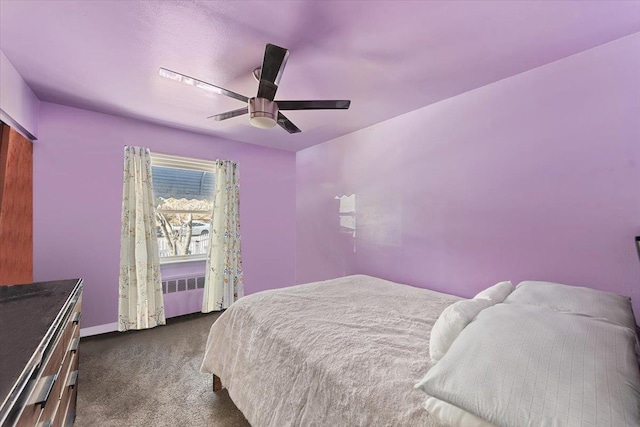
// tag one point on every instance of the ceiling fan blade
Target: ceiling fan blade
(287, 124)
(342, 104)
(275, 59)
(200, 84)
(229, 114)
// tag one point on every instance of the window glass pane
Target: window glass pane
(176, 238)
(175, 183)
(187, 232)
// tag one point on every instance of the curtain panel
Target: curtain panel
(224, 281)
(140, 304)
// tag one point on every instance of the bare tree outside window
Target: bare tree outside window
(176, 219)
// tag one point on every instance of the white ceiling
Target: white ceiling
(387, 57)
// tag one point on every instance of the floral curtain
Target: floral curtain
(223, 282)
(140, 304)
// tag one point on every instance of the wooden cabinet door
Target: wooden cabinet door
(16, 208)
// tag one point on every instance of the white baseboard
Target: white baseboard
(113, 327)
(100, 329)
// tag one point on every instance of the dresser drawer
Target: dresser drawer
(66, 389)
(69, 360)
(67, 399)
(49, 391)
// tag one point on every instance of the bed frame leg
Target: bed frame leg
(217, 384)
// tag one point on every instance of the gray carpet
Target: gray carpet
(151, 378)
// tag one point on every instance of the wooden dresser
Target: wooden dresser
(39, 337)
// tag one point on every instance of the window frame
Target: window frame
(180, 162)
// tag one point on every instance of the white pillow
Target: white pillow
(523, 365)
(450, 415)
(451, 322)
(496, 293)
(604, 305)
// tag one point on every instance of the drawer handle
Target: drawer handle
(73, 379)
(43, 387)
(76, 317)
(74, 345)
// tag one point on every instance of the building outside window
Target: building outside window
(183, 194)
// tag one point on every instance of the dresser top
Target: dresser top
(27, 312)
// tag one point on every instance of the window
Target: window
(183, 194)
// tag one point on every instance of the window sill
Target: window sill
(180, 260)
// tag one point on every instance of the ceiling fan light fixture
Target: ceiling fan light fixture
(262, 113)
(262, 122)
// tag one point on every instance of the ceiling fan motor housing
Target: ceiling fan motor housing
(263, 113)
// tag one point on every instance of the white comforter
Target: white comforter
(343, 352)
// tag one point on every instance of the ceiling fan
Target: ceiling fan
(264, 111)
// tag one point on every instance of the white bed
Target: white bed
(344, 352)
(348, 352)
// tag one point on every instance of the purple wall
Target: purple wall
(78, 196)
(533, 177)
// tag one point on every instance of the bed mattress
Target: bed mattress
(343, 352)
